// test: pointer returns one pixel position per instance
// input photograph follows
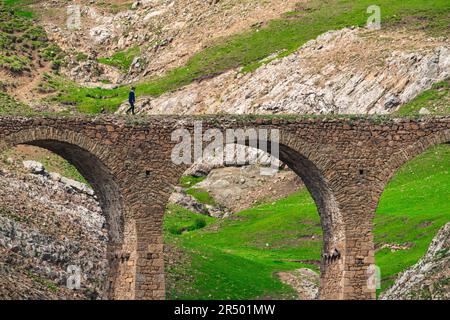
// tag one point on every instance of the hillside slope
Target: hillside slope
(416, 31)
(351, 71)
(429, 278)
(158, 35)
(47, 224)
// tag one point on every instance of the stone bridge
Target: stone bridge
(344, 163)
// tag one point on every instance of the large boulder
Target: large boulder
(34, 167)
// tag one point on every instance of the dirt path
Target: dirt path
(27, 92)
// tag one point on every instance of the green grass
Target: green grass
(237, 259)
(19, 7)
(201, 195)
(123, 59)
(46, 283)
(181, 220)
(414, 206)
(22, 40)
(281, 36)
(190, 181)
(10, 106)
(436, 100)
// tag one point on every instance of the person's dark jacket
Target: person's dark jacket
(132, 97)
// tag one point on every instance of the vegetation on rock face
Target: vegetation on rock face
(123, 59)
(190, 181)
(23, 44)
(9, 106)
(436, 101)
(279, 37)
(238, 258)
(114, 7)
(201, 195)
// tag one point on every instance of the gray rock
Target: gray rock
(424, 111)
(34, 167)
(428, 279)
(378, 81)
(77, 186)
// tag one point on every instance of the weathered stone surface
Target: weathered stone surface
(344, 163)
(34, 167)
(348, 71)
(44, 229)
(240, 188)
(428, 279)
(304, 281)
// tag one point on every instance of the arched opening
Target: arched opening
(413, 208)
(241, 256)
(71, 220)
(98, 176)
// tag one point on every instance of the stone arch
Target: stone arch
(308, 161)
(401, 157)
(95, 162)
(393, 164)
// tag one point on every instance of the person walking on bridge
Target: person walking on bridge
(131, 100)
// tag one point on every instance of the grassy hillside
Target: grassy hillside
(122, 60)
(281, 36)
(237, 259)
(436, 101)
(24, 44)
(10, 106)
(414, 206)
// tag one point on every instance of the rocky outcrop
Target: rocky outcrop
(69, 184)
(429, 278)
(182, 199)
(234, 155)
(47, 225)
(239, 188)
(168, 32)
(350, 71)
(304, 281)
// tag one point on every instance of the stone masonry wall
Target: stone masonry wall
(344, 163)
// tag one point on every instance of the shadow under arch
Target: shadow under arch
(306, 160)
(93, 162)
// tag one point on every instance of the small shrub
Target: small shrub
(198, 223)
(14, 63)
(36, 33)
(81, 56)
